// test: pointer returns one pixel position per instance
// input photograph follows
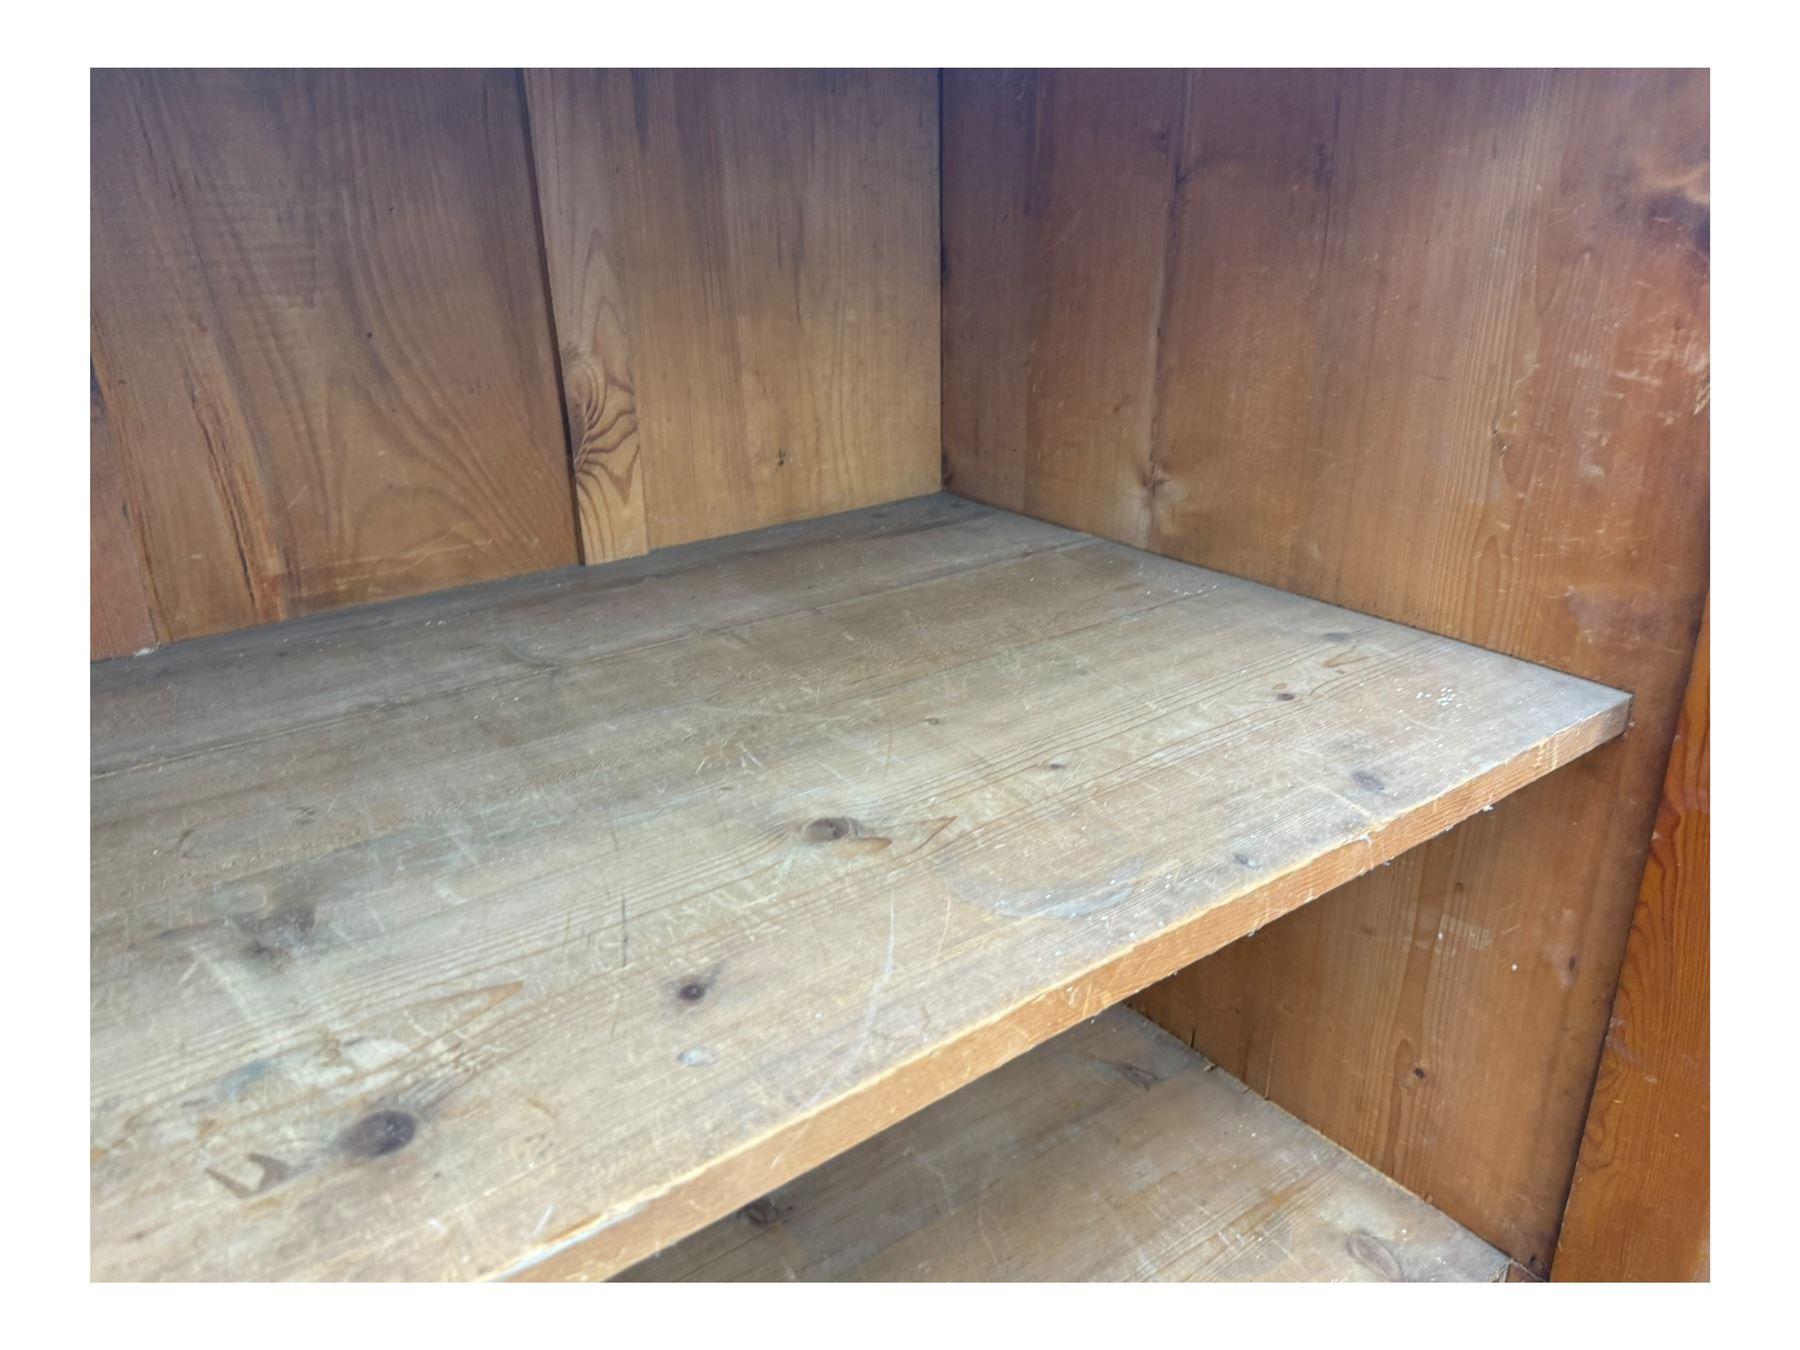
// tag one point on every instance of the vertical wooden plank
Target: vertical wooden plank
(118, 618)
(1477, 309)
(1248, 281)
(1641, 1204)
(1433, 346)
(989, 146)
(320, 331)
(752, 256)
(1504, 330)
(1087, 269)
(1098, 299)
(581, 183)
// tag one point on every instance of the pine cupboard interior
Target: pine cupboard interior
(898, 675)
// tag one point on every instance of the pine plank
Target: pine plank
(1113, 1152)
(118, 614)
(542, 924)
(744, 270)
(319, 328)
(583, 188)
(1641, 1205)
(1428, 344)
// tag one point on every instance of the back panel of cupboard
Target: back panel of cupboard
(744, 266)
(326, 325)
(320, 337)
(1431, 345)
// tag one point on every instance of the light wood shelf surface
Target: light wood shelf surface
(1112, 1152)
(526, 929)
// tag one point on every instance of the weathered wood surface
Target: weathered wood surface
(529, 929)
(1641, 1206)
(1431, 345)
(744, 266)
(1113, 1152)
(320, 335)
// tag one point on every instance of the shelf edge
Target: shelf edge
(706, 1194)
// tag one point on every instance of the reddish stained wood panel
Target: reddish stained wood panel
(1641, 1205)
(1431, 345)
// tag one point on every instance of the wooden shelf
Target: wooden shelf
(529, 928)
(1113, 1152)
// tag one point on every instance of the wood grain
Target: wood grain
(1641, 1206)
(530, 928)
(1113, 1152)
(1431, 345)
(320, 332)
(745, 273)
(989, 149)
(583, 188)
(1096, 300)
(119, 618)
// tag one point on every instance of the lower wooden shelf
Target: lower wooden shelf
(1113, 1152)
